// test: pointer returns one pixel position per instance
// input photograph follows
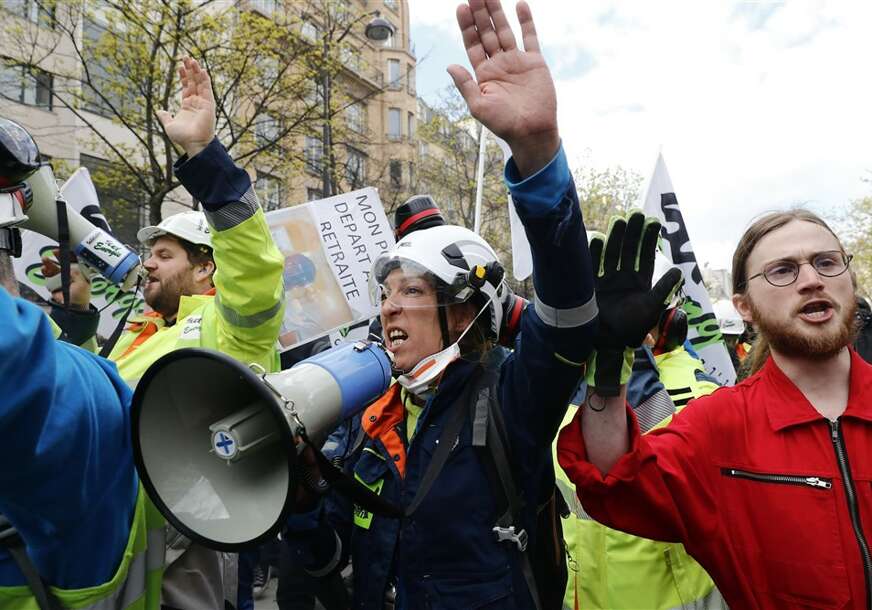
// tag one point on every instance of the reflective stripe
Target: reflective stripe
(155, 553)
(256, 319)
(566, 318)
(654, 410)
(233, 213)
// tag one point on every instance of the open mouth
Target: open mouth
(396, 338)
(816, 311)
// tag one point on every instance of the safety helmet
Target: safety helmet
(190, 226)
(729, 320)
(463, 265)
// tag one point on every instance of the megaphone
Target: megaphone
(92, 245)
(215, 441)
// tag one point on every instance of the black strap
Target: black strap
(12, 542)
(113, 339)
(444, 446)
(64, 252)
(499, 471)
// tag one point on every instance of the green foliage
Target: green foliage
(857, 239)
(605, 193)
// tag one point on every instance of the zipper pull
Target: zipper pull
(834, 430)
(818, 482)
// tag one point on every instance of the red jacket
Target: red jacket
(785, 542)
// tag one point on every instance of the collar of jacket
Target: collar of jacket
(381, 420)
(787, 406)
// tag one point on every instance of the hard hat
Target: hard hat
(729, 320)
(462, 263)
(190, 226)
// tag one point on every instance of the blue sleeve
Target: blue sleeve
(69, 487)
(212, 177)
(557, 330)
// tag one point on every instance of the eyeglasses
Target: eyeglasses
(784, 272)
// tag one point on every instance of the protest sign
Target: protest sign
(703, 331)
(109, 299)
(329, 246)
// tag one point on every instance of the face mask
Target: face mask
(421, 380)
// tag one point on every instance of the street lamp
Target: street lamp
(378, 30)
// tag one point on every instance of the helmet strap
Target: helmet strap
(443, 326)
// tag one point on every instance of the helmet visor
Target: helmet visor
(408, 285)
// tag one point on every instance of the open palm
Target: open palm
(513, 92)
(193, 126)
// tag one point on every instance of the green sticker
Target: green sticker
(362, 517)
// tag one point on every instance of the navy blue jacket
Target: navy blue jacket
(445, 555)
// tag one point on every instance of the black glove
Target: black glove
(628, 307)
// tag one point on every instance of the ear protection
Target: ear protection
(672, 329)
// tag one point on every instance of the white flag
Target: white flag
(522, 257)
(703, 331)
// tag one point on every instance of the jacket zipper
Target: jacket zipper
(851, 496)
(785, 479)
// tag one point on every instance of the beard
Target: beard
(820, 344)
(165, 300)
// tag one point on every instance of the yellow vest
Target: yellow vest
(611, 570)
(135, 584)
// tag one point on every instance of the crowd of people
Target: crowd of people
(571, 452)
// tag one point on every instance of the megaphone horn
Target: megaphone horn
(214, 440)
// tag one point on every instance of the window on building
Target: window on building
(266, 130)
(310, 31)
(26, 86)
(100, 89)
(355, 168)
(394, 5)
(396, 173)
(313, 194)
(34, 11)
(265, 7)
(410, 126)
(412, 183)
(423, 149)
(314, 154)
(356, 116)
(350, 58)
(410, 79)
(395, 126)
(394, 81)
(269, 191)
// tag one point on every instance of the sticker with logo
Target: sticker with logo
(362, 517)
(191, 329)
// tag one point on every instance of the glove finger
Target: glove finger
(632, 239)
(597, 242)
(614, 240)
(648, 248)
(667, 286)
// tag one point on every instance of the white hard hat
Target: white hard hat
(452, 255)
(190, 226)
(729, 320)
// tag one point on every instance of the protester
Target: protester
(228, 247)
(73, 516)
(733, 331)
(863, 343)
(765, 483)
(440, 290)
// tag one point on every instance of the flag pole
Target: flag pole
(479, 177)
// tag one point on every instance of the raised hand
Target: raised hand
(513, 92)
(193, 126)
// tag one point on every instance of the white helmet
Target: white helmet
(729, 320)
(190, 226)
(463, 264)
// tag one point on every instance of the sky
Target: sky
(755, 106)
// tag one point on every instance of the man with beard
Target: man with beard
(214, 279)
(767, 483)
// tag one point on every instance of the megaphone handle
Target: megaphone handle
(113, 339)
